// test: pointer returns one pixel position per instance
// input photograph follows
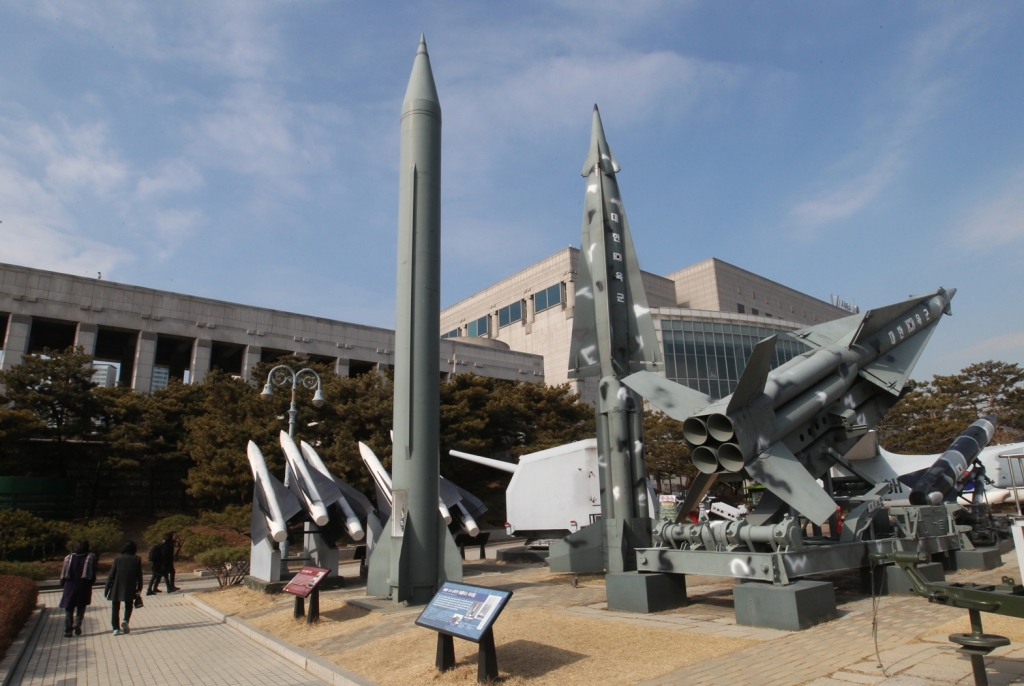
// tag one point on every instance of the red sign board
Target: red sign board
(303, 583)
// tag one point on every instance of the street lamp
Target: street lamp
(283, 375)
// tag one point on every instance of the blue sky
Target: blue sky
(248, 150)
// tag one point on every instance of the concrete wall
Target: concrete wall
(94, 306)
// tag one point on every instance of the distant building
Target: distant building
(143, 338)
(707, 316)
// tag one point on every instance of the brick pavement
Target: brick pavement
(171, 642)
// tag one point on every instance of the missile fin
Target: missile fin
(780, 472)
(475, 506)
(584, 360)
(892, 370)
(359, 502)
(258, 527)
(643, 343)
(821, 335)
(755, 375)
(325, 486)
(448, 491)
(877, 319)
(677, 401)
(290, 505)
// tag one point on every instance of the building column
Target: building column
(201, 351)
(85, 336)
(530, 313)
(19, 327)
(570, 298)
(250, 358)
(341, 367)
(145, 356)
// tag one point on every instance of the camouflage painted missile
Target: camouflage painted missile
(784, 427)
(612, 336)
(941, 477)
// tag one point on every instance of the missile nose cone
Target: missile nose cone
(421, 93)
(599, 150)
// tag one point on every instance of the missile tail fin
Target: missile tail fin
(755, 375)
(677, 401)
(877, 319)
(584, 360)
(643, 343)
(290, 505)
(892, 370)
(780, 472)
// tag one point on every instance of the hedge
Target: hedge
(36, 571)
(18, 597)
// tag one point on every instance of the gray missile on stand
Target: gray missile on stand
(612, 336)
(952, 465)
(787, 428)
(420, 554)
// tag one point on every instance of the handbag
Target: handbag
(138, 600)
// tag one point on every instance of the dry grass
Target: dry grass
(1011, 627)
(537, 646)
(237, 600)
(337, 618)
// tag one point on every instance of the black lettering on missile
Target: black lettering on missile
(617, 238)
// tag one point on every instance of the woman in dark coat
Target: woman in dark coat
(123, 585)
(76, 578)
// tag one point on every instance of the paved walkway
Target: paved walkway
(171, 642)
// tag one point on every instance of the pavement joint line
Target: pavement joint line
(316, 665)
(17, 649)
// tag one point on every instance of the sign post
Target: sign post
(306, 584)
(466, 612)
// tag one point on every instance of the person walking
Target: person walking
(124, 584)
(171, 547)
(77, 576)
(156, 554)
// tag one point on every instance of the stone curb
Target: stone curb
(311, 662)
(17, 649)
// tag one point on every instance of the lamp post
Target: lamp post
(282, 375)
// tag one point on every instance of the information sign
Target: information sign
(463, 611)
(667, 507)
(306, 581)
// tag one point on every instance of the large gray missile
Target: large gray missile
(612, 336)
(785, 428)
(951, 466)
(416, 568)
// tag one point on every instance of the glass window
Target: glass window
(510, 313)
(478, 327)
(740, 308)
(753, 310)
(454, 333)
(547, 298)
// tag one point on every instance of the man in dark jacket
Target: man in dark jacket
(162, 557)
(77, 576)
(123, 585)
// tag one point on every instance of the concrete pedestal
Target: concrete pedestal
(639, 592)
(795, 607)
(979, 558)
(520, 554)
(265, 562)
(1017, 529)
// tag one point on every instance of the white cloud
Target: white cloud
(997, 221)
(174, 176)
(920, 85)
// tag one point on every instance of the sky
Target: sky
(247, 150)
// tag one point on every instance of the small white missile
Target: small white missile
(383, 479)
(314, 503)
(468, 523)
(278, 528)
(352, 525)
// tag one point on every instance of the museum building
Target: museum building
(708, 317)
(142, 338)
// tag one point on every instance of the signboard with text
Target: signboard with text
(463, 611)
(303, 583)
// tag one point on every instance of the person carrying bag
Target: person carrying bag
(124, 587)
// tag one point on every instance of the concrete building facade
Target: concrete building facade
(141, 337)
(707, 317)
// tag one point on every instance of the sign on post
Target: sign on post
(467, 612)
(306, 584)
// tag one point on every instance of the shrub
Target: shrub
(30, 570)
(237, 518)
(229, 564)
(200, 543)
(18, 597)
(104, 534)
(179, 523)
(19, 530)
